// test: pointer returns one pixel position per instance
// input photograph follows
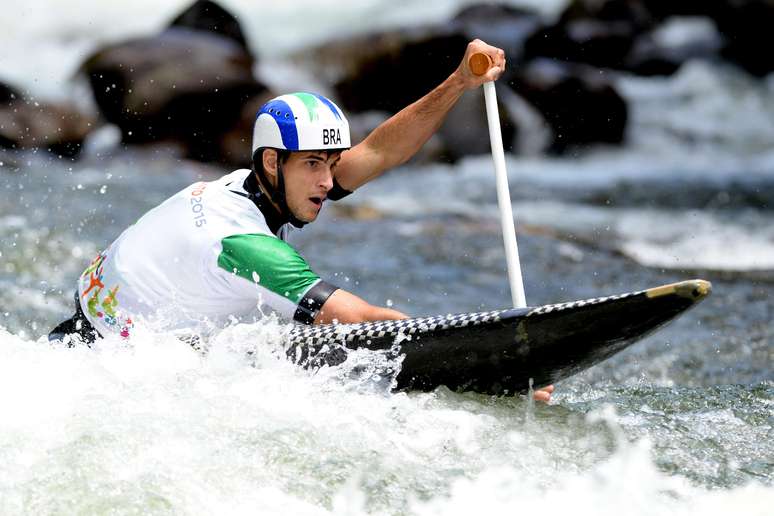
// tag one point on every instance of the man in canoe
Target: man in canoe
(218, 250)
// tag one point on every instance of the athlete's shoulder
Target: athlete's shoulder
(267, 260)
(236, 177)
(261, 248)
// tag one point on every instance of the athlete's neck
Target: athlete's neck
(271, 212)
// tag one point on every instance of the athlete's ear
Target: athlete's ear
(270, 165)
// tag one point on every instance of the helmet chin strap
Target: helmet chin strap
(277, 194)
(280, 198)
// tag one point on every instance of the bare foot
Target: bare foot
(543, 394)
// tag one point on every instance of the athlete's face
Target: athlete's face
(308, 177)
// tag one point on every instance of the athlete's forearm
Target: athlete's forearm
(400, 137)
(345, 307)
(380, 313)
(373, 313)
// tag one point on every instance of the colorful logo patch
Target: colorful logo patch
(106, 308)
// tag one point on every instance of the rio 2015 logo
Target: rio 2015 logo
(196, 204)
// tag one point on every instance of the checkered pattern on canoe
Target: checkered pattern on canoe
(547, 309)
(328, 333)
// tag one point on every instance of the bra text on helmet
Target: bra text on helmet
(331, 137)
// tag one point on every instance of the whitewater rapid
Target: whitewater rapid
(680, 424)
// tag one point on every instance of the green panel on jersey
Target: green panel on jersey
(269, 262)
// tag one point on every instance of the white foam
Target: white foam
(671, 237)
(153, 425)
(627, 483)
(703, 108)
(666, 238)
(678, 31)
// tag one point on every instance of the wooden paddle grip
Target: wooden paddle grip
(479, 63)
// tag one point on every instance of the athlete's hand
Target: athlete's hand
(543, 394)
(497, 57)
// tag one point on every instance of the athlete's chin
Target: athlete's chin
(308, 217)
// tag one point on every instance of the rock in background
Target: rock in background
(194, 83)
(578, 102)
(26, 123)
(389, 70)
(188, 84)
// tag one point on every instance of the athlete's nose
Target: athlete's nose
(326, 179)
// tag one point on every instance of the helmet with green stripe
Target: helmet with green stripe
(292, 123)
(301, 122)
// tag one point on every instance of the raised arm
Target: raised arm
(397, 139)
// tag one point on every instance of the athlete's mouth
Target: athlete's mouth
(317, 200)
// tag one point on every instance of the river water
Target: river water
(679, 424)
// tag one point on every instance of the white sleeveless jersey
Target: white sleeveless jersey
(202, 258)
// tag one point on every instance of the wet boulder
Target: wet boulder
(394, 76)
(747, 26)
(578, 102)
(391, 80)
(503, 26)
(26, 123)
(466, 131)
(8, 93)
(235, 145)
(604, 33)
(714, 9)
(598, 42)
(639, 13)
(596, 32)
(388, 71)
(617, 34)
(679, 39)
(207, 16)
(189, 83)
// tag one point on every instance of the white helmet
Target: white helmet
(301, 121)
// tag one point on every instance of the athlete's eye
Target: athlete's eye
(312, 163)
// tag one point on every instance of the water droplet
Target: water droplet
(389, 303)
(79, 186)
(103, 189)
(256, 277)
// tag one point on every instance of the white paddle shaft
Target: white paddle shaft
(504, 198)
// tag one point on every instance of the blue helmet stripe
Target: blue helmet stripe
(286, 121)
(330, 105)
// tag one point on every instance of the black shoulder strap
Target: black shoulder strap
(273, 219)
